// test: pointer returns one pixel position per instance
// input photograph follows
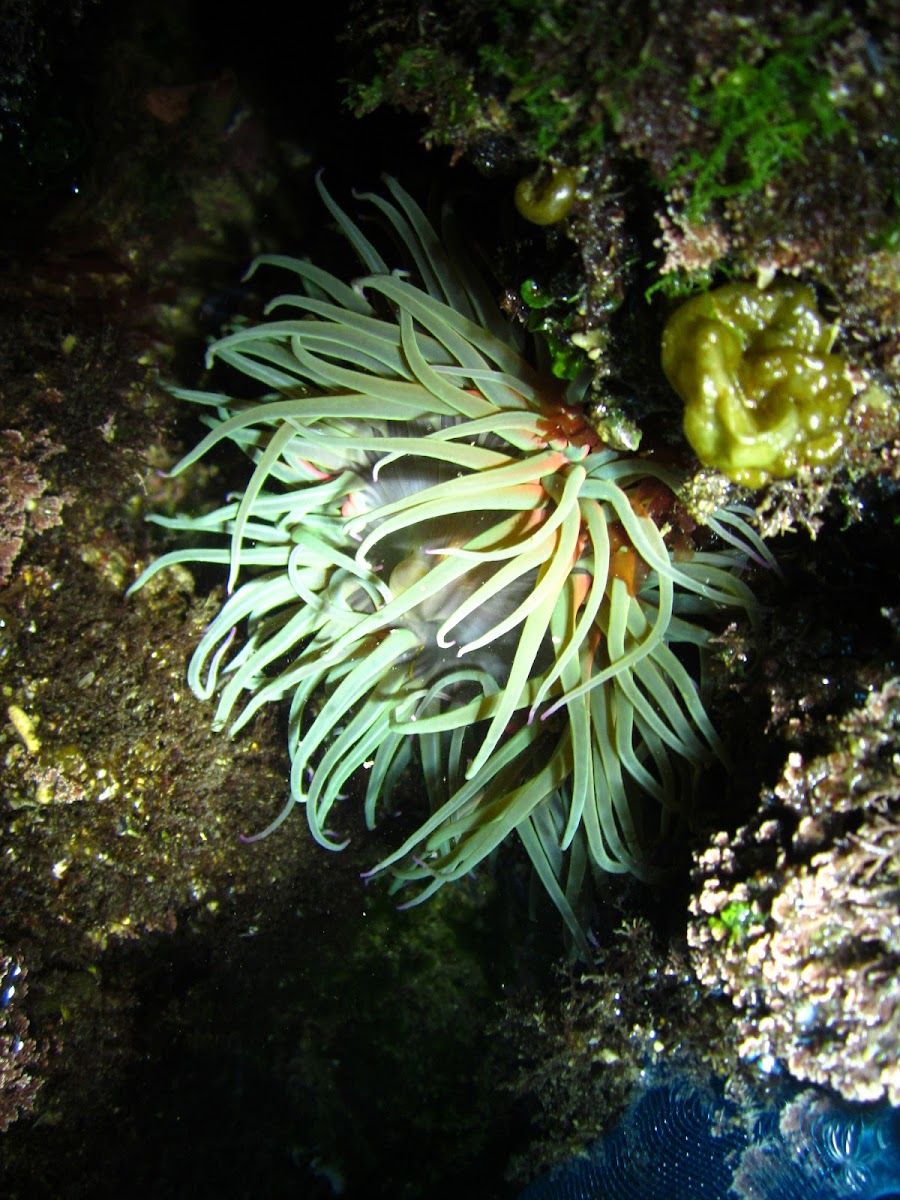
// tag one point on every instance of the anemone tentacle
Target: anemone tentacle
(435, 556)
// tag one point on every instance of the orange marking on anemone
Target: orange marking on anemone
(563, 423)
(593, 642)
(624, 561)
(316, 472)
(559, 423)
(652, 498)
(352, 507)
(532, 518)
(581, 585)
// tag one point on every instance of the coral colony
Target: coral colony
(440, 565)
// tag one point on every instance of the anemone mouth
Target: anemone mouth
(436, 557)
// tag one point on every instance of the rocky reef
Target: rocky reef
(163, 979)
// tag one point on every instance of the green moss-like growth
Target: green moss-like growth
(760, 116)
(421, 70)
(738, 921)
(508, 77)
(763, 393)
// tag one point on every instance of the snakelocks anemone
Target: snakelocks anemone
(442, 568)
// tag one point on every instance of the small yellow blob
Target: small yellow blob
(763, 393)
(24, 727)
(546, 196)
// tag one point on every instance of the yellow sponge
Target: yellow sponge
(763, 393)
